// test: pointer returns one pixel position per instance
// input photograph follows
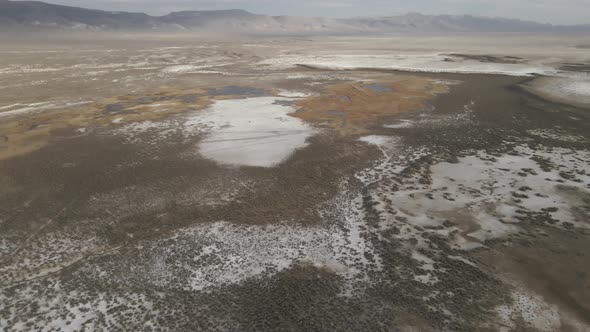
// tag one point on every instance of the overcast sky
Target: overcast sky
(552, 11)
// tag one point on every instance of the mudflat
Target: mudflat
(167, 183)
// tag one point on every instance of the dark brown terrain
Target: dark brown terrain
(190, 185)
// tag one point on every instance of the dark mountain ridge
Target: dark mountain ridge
(41, 15)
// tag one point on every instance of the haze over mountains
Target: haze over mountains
(33, 15)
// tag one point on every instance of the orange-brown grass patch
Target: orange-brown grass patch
(24, 134)
(350, 108)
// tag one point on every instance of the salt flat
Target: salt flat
(331, 183)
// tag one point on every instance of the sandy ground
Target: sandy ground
(174, 183)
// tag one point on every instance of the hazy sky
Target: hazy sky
(552, 11)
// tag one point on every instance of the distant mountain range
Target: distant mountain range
(34, 15)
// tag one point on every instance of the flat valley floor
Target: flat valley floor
(176, 183)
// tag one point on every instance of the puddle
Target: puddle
(234, 90)
(378, 88)
(114, 108)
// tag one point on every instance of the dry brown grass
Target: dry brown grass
(349, 108)
(21, 135)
